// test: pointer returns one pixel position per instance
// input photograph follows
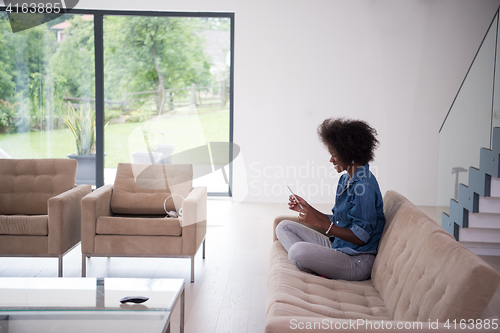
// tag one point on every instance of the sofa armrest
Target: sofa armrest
(97, 203)
(278, 219)
(64, 219)
(194, 220)
(194, 207)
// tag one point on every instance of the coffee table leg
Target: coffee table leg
(183, 305)
(84, 265)
(60, 257)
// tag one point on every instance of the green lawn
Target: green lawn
(181, 129)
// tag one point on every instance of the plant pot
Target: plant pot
(85, 174)
(166, 151)
(140, 157)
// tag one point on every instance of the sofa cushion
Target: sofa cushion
(295, 293)
(27, 185)
(423, 273)
(29, 225)
(141, 189)
(152, 226)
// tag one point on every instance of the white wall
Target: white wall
(396, 64)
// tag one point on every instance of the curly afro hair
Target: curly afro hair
(353, 140)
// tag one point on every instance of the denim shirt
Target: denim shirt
(359, 207)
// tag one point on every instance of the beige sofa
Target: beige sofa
(39, 207)
(127, 219)
(422, 280)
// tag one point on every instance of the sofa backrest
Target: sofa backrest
(422, 272)
(141, 189)
(27, 184)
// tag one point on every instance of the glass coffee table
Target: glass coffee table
(88, 305)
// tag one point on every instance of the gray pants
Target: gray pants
(311, 252)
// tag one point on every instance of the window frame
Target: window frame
(99, 77)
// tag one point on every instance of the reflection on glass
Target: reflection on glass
(161, 292)
(77, 304)
(47, 87)
(47, 292)
(467, 127)
(84, 322)
(87, 294)
(166, 92)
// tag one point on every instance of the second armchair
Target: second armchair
(128, 219)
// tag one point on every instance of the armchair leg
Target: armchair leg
(192, 269)
(60, 258)
(84, 265)
(204, 248)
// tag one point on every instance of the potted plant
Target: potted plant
(148, 157)
(81, 122)
(165, 149)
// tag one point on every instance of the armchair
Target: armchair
(39, 208)
(128, 219)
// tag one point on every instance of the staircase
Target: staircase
(474, 219)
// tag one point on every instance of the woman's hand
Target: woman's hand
(310, 215)
(307, 213)
(295, 205)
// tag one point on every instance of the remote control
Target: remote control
(134, 299)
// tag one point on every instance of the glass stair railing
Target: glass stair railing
(469, 139)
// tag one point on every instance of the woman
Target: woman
(346, 249)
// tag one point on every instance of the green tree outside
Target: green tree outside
(153, 53)
(140, 53)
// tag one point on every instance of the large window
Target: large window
(108, 87)
(39, 69)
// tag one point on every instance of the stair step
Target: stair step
(496, 139)
(495, 187)
(479, 182)
(486, 235)
(489, 162)
(489, 205)
(458, 214)
(448, 225)
(468, 198)
(483, 249)
(484, 220)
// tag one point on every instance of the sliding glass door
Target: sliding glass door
(166, 99)
(140, 87)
